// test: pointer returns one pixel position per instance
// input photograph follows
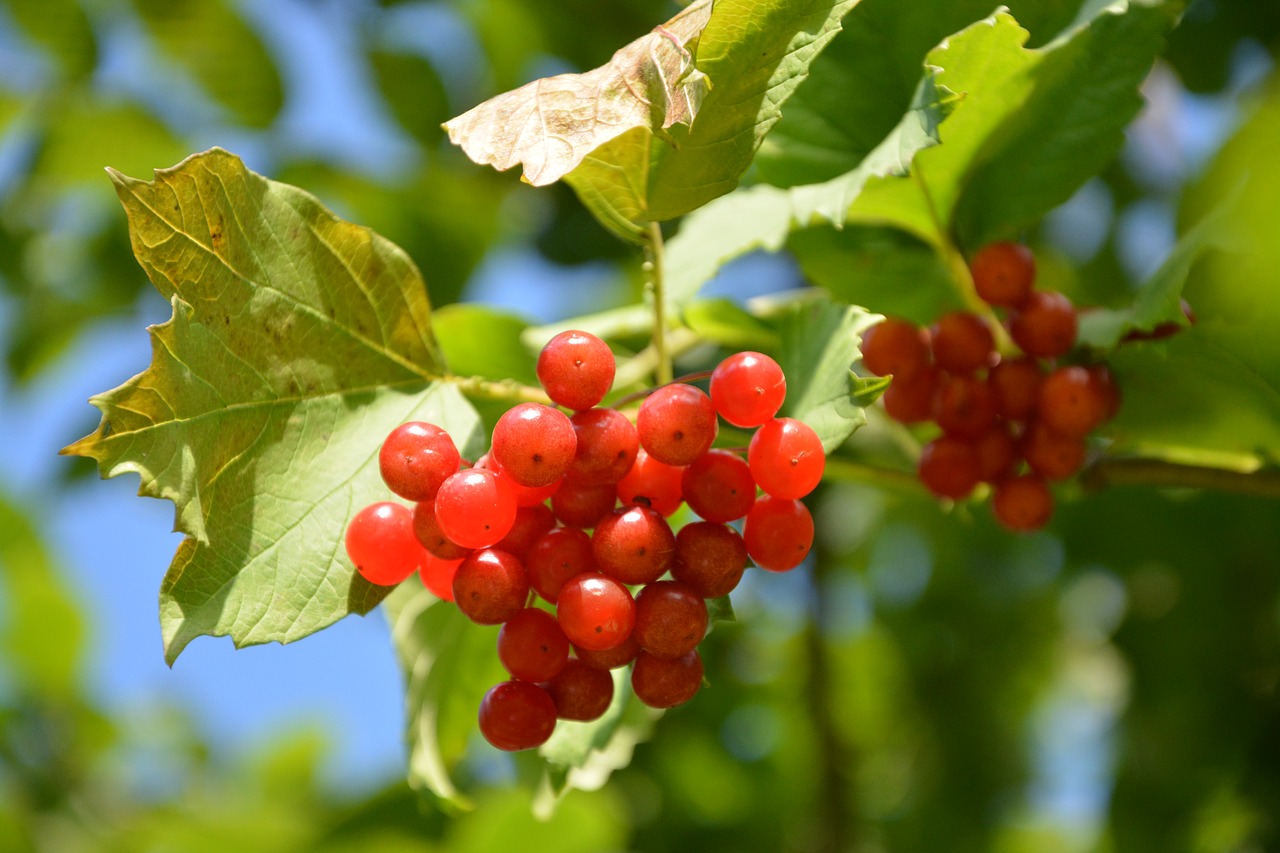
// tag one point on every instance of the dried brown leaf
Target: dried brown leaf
(551, 124)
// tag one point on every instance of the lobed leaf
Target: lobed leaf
(297, 342)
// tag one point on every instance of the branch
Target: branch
(1133, 471)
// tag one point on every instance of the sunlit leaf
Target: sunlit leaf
(297, 342)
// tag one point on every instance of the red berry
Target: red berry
(710, 558)
(1044, 325)
(558, 555)
(531, 523)
(437, 575)
(607, 447)
(1104, 382)
(910, 400)
(381, 544)
(595, 612)
(475, 508)
(427, 529)
(748, 388)
(964, 406)
(671, 619)
(895, 347)
(666, 682)
(997, 454)
(517, 715)
(534, 444)
(949, 467)
(652, 483)
(416, 458)
(786, 458)
(1050, 454)
(778, 533)
(718, 486)
(531, 645)
(580, 505)
(620, 655)
(581, 692)
(576, 369)
(1016, 384)
(490, 587)
(677, 424)
(1003, 273)
(962, 342)
(1022, 503)
(1071, 402)
(634, 545)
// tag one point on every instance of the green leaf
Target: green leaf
(755, 54)
(762, 217)
(868, 389)
(723, 322)
(224, 54)
(421, 107)
(449, 664)
(297, 341)
(1032, 127)
(480, 341)
(63, 27)
(820, 343)
(82, 134)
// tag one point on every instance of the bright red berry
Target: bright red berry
(437, 575)
(718, 486)
(1003, 273)
(534, 444)
(516, 715)
(652, 483)
(607, 447)
(475, 508)
(490, 587)
(595, 612)
(531, 645)
(786, 458)
(748, 388)
(381, 544)
(677, 424)
(576, 369)
(416, 458)
(428, 531)
(778, 533)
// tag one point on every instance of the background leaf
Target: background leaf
(257, 432)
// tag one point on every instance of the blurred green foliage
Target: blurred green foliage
(1112, 684)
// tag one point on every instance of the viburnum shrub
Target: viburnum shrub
(326, 431)
(632, 583)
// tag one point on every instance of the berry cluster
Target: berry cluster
(1014, 420)
(507, 540)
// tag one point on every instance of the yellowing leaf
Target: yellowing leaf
(551, 124)
(297, 342)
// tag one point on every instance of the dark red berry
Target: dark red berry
(895, 347)
(1052, 455)
(531, 523)
(718, 486)
(666, 682)
(490, 587)
(558, 555)
(1022, 503)
(671, 619)
(432, 538)
(1016, 384)
(1003, 273)
(620, 655)
(962, 342)
(534, 444)
(516, 715)
(677, 424)
(581, 692)
(964, 406)
(581, 505)
(910, 400)
(531, 645)
(710, 558)
(633, 544)
(949, 467)
(1071, 403)
(607, 447)
(1044, 325)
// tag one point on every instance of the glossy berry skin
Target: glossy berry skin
(748, 388)
(895, 347)
(416, 458)
(490, 587)
(475, 508)
(653, 484)
(949, 467)
(1052, 455)
(786, 458)
(532, 522)
(964, 406)
(531, 645)
(427, 529)
(710, 558)
(1022, 503)
(579, 505)
(607, 447)
(1044, 325)
(576, 369)
(718, 486)
(962, 342)
(666, 682)
(437, 575)
(580, 692)
(671, 619)
(534, 444)
(677, 424)
(558, 555)
(516, 715)
(1071, 402)
(1016, 385)
(910, 400)
(633, 544)
(595, 612)
(1004, 273)
(606, 659)
(381, 544)
(778, 533)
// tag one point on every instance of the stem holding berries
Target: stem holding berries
(653, 266)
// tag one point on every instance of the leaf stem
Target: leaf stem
(505, 389)
(645, 392)
(653, 264)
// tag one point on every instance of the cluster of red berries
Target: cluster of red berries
(1014, 420)
(497, 536)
